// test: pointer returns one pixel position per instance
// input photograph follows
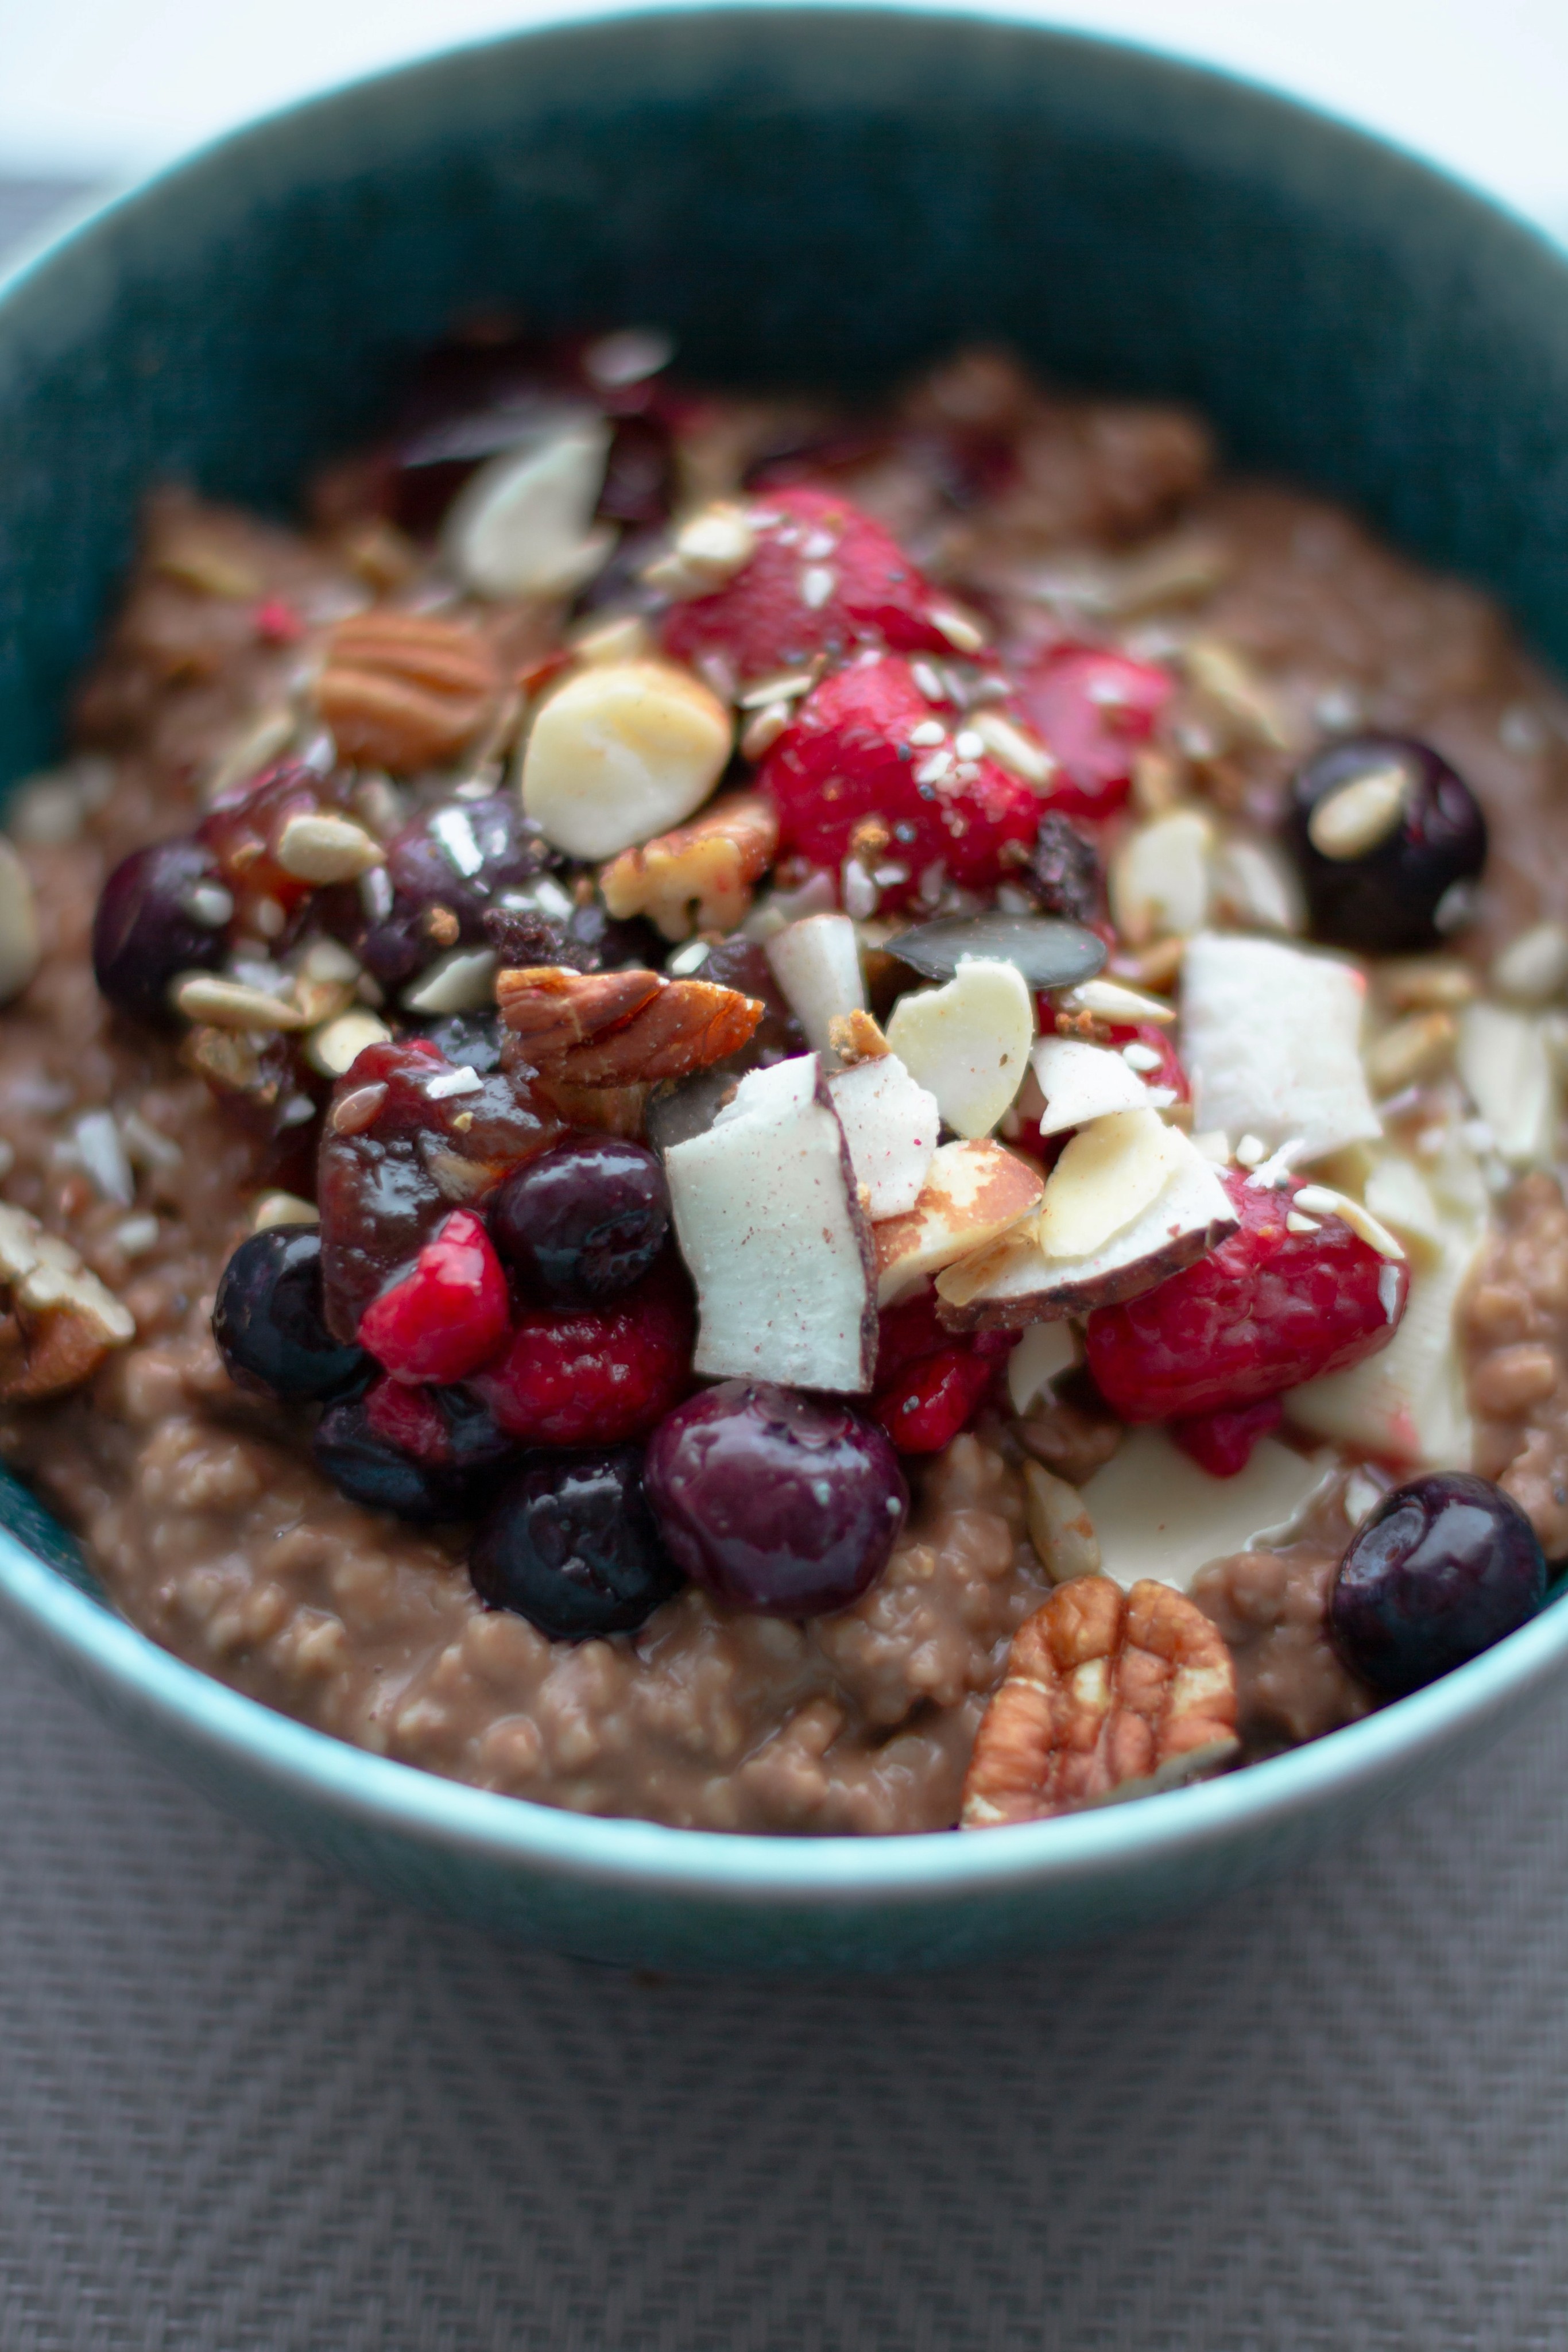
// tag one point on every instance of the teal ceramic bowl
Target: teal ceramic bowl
(814, 195)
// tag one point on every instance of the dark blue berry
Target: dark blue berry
(443, 873)
(269, 1322)
(1444, 1568)
(778, 1503)
(369, 1469)
(585, 1220)
(571, 1547)
(154, 922)
(1405, 891)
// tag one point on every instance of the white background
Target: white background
(105, 87)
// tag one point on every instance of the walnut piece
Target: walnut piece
(57, 1321)
(402, 691)
(619, 1029)
(698, 877)
(1107, 1695)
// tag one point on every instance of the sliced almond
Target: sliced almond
(967, 1043)
(1350, 823)
(338, 1044)
(973, 1192)
(1159, 879)
(1107, 1176)
(1108, 1000)
(621, 752)
(1081, 1082)
(523, 526)
(233, 1003)
(1044, 1353)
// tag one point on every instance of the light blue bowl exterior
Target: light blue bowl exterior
(820, 194)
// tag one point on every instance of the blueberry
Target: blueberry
(443, 872)
(1444, 1568)
(571, 1546)
(585, 1220)
(269, 1322)
(1384, 835)
(369, 1469)
(162, 911)
(783, 1504)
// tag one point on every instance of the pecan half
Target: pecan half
(620, 1028)
(699, 876)
(1107, 1695)
(402, 691)
(56, 1319)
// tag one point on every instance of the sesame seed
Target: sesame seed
(929, 732)
(968, 745)
(928, 682)
(817, 581)
(933, 770)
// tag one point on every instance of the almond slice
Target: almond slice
(1107, 1176)
(973, 1192)
(1081, 1082)
(967, 1043)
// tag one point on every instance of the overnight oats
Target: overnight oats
(794, 1121)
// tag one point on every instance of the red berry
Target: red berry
(278, 623)
(905, 1333)
(595, 1376)
(1169, 1072)
(1222, 1443)
(849, 757)
(825, 579)
(245, 824)
(448, 1314)
(408, 1418)
(1266, 1310)
(930, 1401)
(1092, 709)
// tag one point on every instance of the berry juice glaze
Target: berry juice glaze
(520, 1316)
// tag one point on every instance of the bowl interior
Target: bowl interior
(814, 195)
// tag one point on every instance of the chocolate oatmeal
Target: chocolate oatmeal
(794, 1123)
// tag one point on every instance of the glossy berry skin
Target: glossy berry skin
(269, 1322)
(1265, 1311)
(1093, 711)
(929, 1386)
(585, 1220)
(1444, 1568)
(1222, 1443)
(369, 1469)
(1386, 902)
(445, 1428)
(848, 757)
(760, 621)
(443, 872)
(144, 932)
(595, 1376)
(448, 1314)
(783, 1504)
(571, 1546)
(243, 825)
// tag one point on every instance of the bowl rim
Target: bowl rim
(825, 1872)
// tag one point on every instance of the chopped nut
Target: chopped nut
(856, 1037)
(1060, 1527)
(1106, 1000)
(20, 946)
(621, 752)
(621, 1028)
(338, 1044)
(1417, 982)
(461, 981)
(1414, 1049)
(56, 1319)
(1106, 1695)
(549, 1008)
(282, 1209)
(1349, 822)
(763, 729)
(1158, 878)
(322, 850)
(404, 690)
(523, 526)
(1229, 682)
(709, 548)
(1533, 968)
(700, 876)
(207, 997)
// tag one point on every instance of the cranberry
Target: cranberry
(373, 1470)
(388, 1175)
(1063, 876)
(443, 872)
(586, 1219)
(1266, 1310)
(448, 1314)
(1222, 1443)
(571, 1546)
(1444, 1568)
(1092, 710)
(849, 759)
(161, 912)
(1388, 899)
(589, 1376)
(771, 615)
(925, 1408)
(445, 1428)
(269, 1323)
(245, 824)
(776, 1502)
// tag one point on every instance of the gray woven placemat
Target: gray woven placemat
(245, 2108)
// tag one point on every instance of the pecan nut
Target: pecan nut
(56, 1319)
(619, 1028)
(700, 876)
(1107, 1695)
(400, 690)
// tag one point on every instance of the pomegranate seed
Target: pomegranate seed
(1222, 1443)
(448, 1314)
(591, 1375)
(1265, 1311)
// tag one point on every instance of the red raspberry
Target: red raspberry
(408, 1418)
(595, 1376)
(848, 757)
(1222, 1443)
(448, 1314)
(1266, 1310)
(761, 621)
(1092, 709)
(906, 1332)
(929, 1386)
(1159, 1040)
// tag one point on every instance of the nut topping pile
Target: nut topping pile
(750, 948)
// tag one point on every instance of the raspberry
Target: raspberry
(1222, 1443)
(849, 759)
(1170, 1072)
(1266, 1310)
(1092, 709)
(445, 1428)
(825, 579)
(928, 1385)
(448, 1314)
(595, 1376)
